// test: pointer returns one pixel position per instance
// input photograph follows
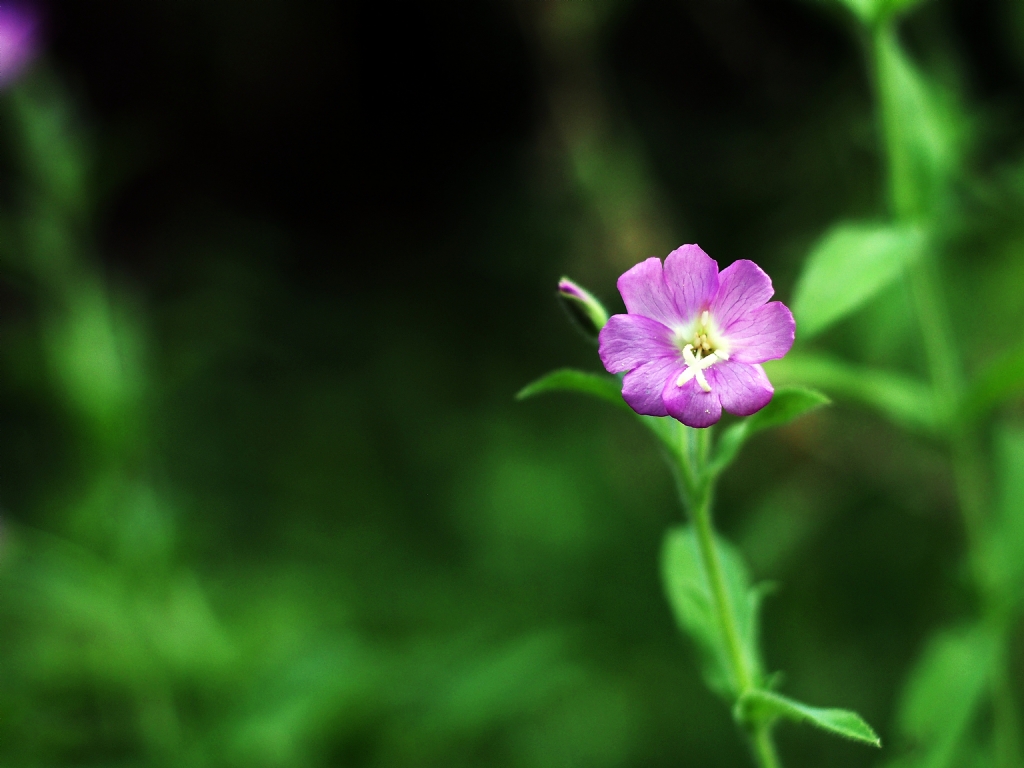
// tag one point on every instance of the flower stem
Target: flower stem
(694, 454)
(764, 747)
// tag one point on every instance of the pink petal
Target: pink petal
(645, 293)
(629, 341)
(763, 333)
(692, 276)
(743, 389)
(742, 286)
(642, 387)
(690, 404)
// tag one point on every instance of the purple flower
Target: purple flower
(693, 339)
(18, 45)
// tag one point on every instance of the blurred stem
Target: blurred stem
(764, 747)
(694, 454)
(945, 367)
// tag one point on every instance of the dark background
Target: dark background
(342, 227)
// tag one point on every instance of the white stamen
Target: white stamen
(704, 318)
(695, 367)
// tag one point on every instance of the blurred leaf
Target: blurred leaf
(760, 706)
(1004, 553)
(906, 401)
(942, 696)
(872, 12)
(786, 404)
(921, 130)
(848, 266)
(1000, 381)
(607, 388)
(689, 594)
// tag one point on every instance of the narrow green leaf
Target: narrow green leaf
(760, 706)
(689, 594)
(866, 11)
(942, 696)
(906, 401)
(898, 7)
(607, 388)
(847, 267)
(923, 128)
(787, 404)
(1002, 380)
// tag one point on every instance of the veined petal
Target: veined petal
(642, 387)
(690, 404)
(742, 286)
(763, 333)
(743, 389)
(644, 290)
(692, 276)
(629, 341)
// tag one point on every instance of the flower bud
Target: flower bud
(18, 41)
(582, 307)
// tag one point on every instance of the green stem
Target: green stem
(946, 372)
(701, 514)
(694, 453)
(764, 747)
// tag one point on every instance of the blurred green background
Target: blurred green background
(272, 273)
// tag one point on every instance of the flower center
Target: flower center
(701, 354)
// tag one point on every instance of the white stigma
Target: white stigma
(695, 367)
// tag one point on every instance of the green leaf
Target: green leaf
(849, 265)
(923, 129)
(689, 594)
(761, 706)
(906, 401)
(1002, 380)
(787, 404)
(607, 388)
(942, 696)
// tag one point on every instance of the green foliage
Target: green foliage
(787, 404)
(923, 131)
(1005, 535)
(601, 386)
(872, 12)
(851, 264)
(902, 399)
(764, 706)
(1000, 381)
(689, 593)
(942, 697)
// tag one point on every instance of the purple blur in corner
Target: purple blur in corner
(18, 41)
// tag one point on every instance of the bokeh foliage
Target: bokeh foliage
(260, 509)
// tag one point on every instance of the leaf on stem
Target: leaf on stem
(607, 388)
(689, 594)
(904, 400)
(764, 706)
(848, 266)
(942, 696)
(786, 404)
